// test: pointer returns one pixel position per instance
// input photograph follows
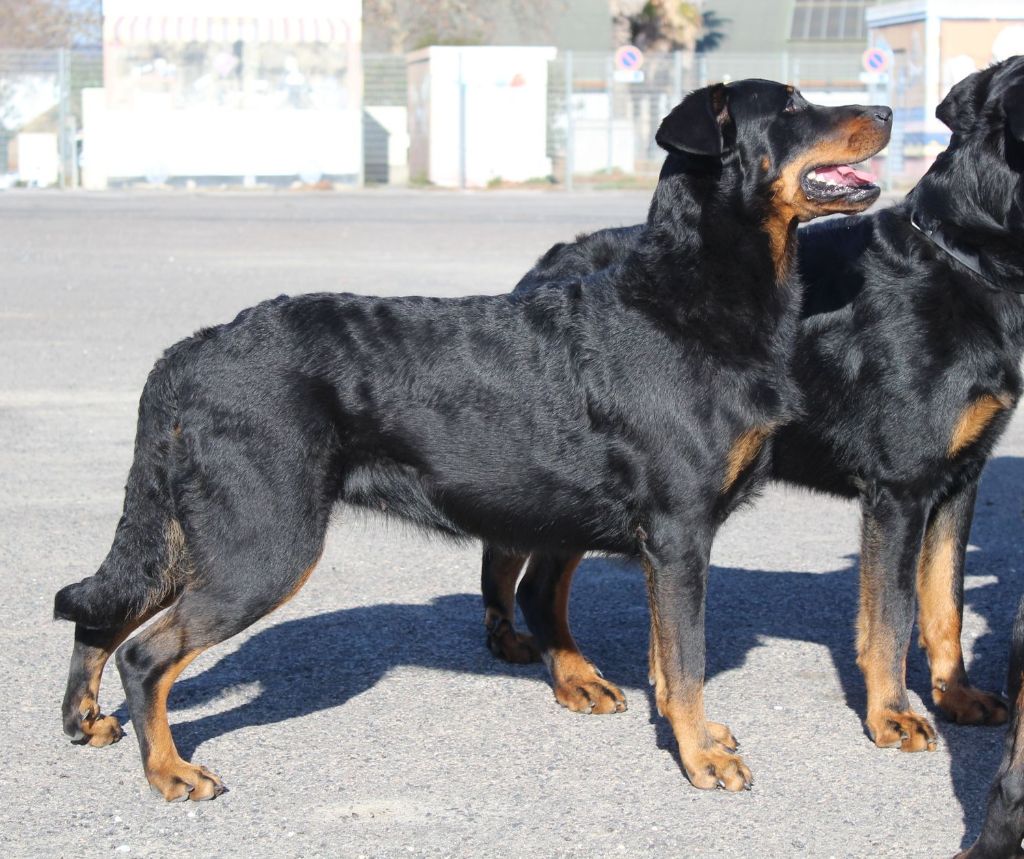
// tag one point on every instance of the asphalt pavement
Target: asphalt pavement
(366, 717)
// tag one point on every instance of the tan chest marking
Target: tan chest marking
(975, 419)
(742, 453)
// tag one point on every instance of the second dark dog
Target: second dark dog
(908, 364)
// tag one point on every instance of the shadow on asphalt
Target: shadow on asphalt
(317, 663)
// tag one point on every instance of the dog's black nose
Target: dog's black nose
(883, 114)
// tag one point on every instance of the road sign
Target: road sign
(875, 60)
(629, 58)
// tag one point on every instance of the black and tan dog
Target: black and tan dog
(908, 364)
(625, 414)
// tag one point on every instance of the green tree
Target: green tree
(405, 25)
(42, 24)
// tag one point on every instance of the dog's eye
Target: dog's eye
(791, 106)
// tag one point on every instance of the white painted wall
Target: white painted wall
(505, 113)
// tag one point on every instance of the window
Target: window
(829, 20)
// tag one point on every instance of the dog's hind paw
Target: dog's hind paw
(91, 728)
(580, 687)
(511, 646)
(966, 705)
(590, 696)
(904, 730)
(723, 736)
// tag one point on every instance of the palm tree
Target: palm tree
(711, 35)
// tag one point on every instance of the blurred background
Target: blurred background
(450, 93)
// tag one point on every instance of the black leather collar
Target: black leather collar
(968, 258)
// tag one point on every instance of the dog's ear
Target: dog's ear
(697, 123)
(956, 110)
(1013, 107)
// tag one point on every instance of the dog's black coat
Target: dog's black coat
(899, 340)
(602, 408)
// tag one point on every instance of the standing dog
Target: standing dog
(623, 414)
(908, 364)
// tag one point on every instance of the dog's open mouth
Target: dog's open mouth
(839, 182)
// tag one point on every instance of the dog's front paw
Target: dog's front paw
(966, 705)
(180, 781)
(716, 767)
(904, 730)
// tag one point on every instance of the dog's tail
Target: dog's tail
(138, 572)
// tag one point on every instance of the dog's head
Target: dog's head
(795, 157)
(987, 102)
(977, 181)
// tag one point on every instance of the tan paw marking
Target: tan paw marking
(903, 730)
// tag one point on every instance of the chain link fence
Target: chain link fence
(602, 120)
(599, 128)
(41, 114)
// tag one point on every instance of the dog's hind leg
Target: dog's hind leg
(940, 592)
(893, 531)
(241, 591)
(499, 572)
(252, 549)
(83, 721)
(676, 588)
(544, 598)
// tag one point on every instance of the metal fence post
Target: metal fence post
(677, 77)
(462, 126)
(610, 163)
(63, 96)
(570, 128)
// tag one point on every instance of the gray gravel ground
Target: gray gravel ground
(366, 717)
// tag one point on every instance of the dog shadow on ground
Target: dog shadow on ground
(316, 663)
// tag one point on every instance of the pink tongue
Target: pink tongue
(844, 175)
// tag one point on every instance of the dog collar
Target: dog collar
(969, 260)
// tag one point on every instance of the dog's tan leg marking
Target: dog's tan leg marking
(939, 577)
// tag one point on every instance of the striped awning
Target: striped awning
(135, 30)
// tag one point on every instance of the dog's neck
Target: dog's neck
(978, 229)
(701, 214)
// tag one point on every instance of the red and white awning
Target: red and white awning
(136, 30)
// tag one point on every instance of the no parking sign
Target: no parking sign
(876, 61)
(628, 60)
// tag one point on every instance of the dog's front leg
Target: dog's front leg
(1003, 829)
(893, 529)
(676, 584)
(940, 593)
